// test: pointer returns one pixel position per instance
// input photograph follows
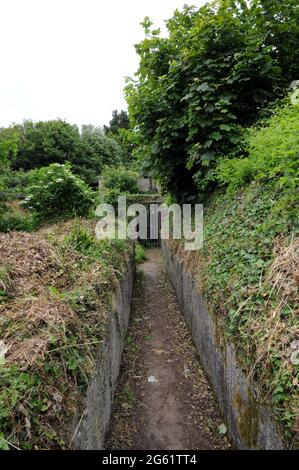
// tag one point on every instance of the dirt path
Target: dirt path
(163, 400)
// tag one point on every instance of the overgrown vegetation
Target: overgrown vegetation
(52, 163)
(33, 145)
(54, 301)
(57, 285)
(249, 262)
(118, 182)
(140, 253)
(10, 221)
(210, 119)
(54, 191)
(117, 130)
(197, 88)
(213, 122)
(273, 154)
(246, 282)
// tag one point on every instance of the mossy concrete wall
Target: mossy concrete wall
(249, 422)
(90, 429)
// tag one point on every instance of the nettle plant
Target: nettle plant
(55, 191)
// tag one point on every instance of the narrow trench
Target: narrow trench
(163, 400)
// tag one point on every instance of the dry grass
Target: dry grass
(273, 330)
(53, 312)
(30, 312)
(30, 261)
(275, 333)
(284, 271)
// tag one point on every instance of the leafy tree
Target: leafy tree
(47, 142)
(9, 141)
(197, 88)
(119, 130)
(42, 143)
(120, 120)
(279, 22)
(99, 151)
(8, 148)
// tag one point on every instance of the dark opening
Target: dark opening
(153, 227)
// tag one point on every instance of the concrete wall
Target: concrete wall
(93, 424)
(148, 185)
(145, 185)
(250, 423)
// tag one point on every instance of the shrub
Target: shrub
(108, 252)
(111, 196)
(13, 183)
(54, 191)
(26, 223)
(121, 179)
(2, 199)
(273, 153)
(80, 239)
(140, 253)
(234, 173)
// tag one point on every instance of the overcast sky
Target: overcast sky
(68, 58)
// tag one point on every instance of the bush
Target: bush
(120, 179)
(14, 183)
(140, 253)
(80, 239)
(234, 173)
(273, 153)
(108, 252)
(111, 196)
(9, 222)
(54, 191)
(118, 182)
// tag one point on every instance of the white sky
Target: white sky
(68, 58)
